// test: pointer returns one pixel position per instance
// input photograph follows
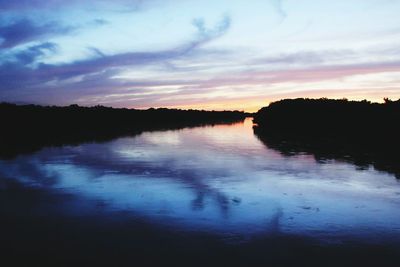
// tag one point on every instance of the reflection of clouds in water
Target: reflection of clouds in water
(162, 138)
(188, 178)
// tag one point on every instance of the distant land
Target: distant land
(27, 128)
(361, 132)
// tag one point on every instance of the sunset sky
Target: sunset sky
(197, 54)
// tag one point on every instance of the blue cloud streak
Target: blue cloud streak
(25, 30)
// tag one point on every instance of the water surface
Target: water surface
(219, 181)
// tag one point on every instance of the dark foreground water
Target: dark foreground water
(206, 196)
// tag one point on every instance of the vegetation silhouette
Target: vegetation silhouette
(28, 128)
(360, 132)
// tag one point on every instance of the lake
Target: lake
(195, 196)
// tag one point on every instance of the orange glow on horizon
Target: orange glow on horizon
(254, 104)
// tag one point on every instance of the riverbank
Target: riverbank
(362, 132)
(27, 128)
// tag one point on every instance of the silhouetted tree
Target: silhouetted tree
(29, 127)
(366, 132)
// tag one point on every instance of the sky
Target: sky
(218, 54)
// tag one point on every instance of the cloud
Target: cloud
(301, 75)
(306, 57)
(21, 5)
(15, 74)
(96, 51)
(102, 62)
(278, 6)
(100, 22)
(200, 25)
(31, 54)
(189, 89)
(205, 35)
(24, 31)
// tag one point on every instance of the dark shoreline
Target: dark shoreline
(28, 128)
(362, 132)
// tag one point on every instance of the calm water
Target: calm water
(217, 180)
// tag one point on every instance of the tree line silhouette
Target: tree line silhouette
(26, 128)
(362, 132)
